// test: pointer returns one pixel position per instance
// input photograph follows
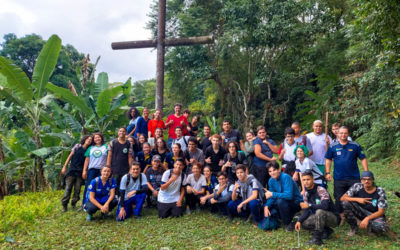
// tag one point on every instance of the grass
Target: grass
(35, 220)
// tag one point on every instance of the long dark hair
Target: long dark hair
(84, 138)
(129, 113)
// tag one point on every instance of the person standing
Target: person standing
(132, 115)
(193, 155)
(301, 139)
(142, 124)
(155, 123)
(214, 154)
(344, 155)
(73, 177)
(264, 150)
(206, 142)
(119, 156)
(96, 158)
(181, 139)
(230, 134)
(173, 121)
(319, 141)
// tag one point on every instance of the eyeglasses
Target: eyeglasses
(289, 136)
(367, 179)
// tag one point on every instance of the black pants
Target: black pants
(192, 200)
(90, 208)
(118, 178)
(72, 182)
(340, 187)
(261, 174)
(168, 209)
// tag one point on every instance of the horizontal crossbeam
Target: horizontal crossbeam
(168, 42)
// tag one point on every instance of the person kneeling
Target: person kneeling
(172, 191)
(133, 192)
(247, 196)
(101, 194)
(282, 195)
(319, 213)
(365, 202)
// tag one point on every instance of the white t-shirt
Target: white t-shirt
(98, 156)
(184, 141)
(289, 149)
(318, 146)
(310, 166)
(172, 193)
(197, 184)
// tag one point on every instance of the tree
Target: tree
(31, 96)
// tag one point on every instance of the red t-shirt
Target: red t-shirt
(177, 122)
(153, 124)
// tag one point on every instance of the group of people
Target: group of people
(227, 175)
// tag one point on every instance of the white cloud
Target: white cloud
(90, 26)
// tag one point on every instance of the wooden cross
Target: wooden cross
(160, 42)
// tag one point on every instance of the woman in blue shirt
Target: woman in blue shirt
(101, 195)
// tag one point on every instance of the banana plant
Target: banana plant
(31, 97)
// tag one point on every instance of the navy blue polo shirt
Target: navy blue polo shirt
(345, 160)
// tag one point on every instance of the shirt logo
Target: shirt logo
(125, 150)
(317, 201)
(97, 153)
(339, 153)
(350, 149)
(374, 202)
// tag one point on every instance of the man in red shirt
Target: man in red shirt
(175, 120)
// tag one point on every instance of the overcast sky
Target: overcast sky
(90, 26)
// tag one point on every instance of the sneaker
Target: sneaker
(64, 208)
(188, 211)
(73, 206)
(88, 217)
(326, 233)
(290, 227)
(230, 218)
(197, 208)
(352, 232)
(316, 239)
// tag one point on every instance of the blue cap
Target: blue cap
(367, 174)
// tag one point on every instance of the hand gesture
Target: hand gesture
(297, 226)
(183, 123)
(228, 163)
(131, 194)
(328, 177)
(364, 201)
(221, 162)
(203, 200)
(268, 194)
(237, 185)
(304, 205)
(213, 201)
(122, 213)
(267, 213)
(273, 158)
(327, 140)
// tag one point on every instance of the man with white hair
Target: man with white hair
(319, 140)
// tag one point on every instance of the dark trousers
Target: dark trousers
(353, 211)
(92, 173)
(168, 209)
(117, 178)
(340, 187)
(254, 207)
(72, 182)
(261, 174)
(90, 208)
(138, 200)
(222, 208)
(320, 220)
(192, 200)
(287, 209)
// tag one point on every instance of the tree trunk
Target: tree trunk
(3, 183)
(38, 161)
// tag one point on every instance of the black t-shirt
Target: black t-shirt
(77, 161)
(372, 207)
(154, 151)
(234, 136)
(154, 177)
(205, 143)
(231, 171)
(215, 158)
(120, 160)
(193, 129)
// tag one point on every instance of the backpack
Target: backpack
(182, 177)
(98, 179)
(128, 179)
(271, 222)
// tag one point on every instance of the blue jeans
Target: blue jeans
(92, 173)
(287, 209)
(138, 200)
(253, 207)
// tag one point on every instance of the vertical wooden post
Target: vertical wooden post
(160, 54)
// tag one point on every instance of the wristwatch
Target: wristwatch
(327, 173)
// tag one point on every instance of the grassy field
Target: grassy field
(35, 220)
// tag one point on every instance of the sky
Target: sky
(90, 26)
